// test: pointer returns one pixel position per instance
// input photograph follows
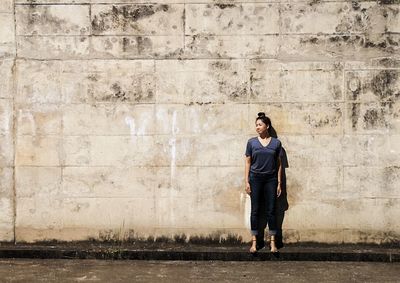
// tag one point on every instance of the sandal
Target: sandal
(273, 249)
(253, 248)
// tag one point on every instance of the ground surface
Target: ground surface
(47, 270)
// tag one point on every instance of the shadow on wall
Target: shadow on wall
(281, 203)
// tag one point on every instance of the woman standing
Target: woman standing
(263, 178)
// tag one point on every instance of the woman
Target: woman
(263, 178)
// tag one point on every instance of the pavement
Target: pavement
(172, 251)
(61, 270)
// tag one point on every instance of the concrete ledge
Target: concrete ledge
(197, 253)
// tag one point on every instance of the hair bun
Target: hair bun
(261, 114)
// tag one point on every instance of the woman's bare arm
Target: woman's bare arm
(279, 176)
(246, 173)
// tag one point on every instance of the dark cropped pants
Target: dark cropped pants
(263, 189)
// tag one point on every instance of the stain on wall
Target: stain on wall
(129, 18)
(384, 83)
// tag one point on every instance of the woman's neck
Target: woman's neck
(264, 135)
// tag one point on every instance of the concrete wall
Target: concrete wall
(7, 83)
(121, 119)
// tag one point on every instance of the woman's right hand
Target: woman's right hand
(248, 190)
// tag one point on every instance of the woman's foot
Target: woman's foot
(274, 249)
(253, 248)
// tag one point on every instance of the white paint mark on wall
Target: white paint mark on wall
(134, 129)
(131, 124)
(172, 144)
(141, 130)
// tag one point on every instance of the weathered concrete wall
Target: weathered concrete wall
(131, 118)
(7, 82)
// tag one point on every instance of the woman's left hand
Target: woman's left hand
(279, 190)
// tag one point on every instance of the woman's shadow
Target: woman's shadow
(281, 204)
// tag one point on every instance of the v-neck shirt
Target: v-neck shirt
(264, 159)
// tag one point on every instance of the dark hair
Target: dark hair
(266, 120)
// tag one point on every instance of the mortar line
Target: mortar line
(14, 120)
(278, 54)
(184, 28)
(155, 195)
(272, 59)
(61, 154)
(195, 104)
(209, 34)
(183, 2)
(154, 3)
(90, 29)
(344, 115)
(193, 135)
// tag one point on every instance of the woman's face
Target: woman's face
(261, 127)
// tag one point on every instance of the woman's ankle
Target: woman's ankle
(253, 247)
(273, 244)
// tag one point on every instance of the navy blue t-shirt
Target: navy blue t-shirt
(264, 159)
